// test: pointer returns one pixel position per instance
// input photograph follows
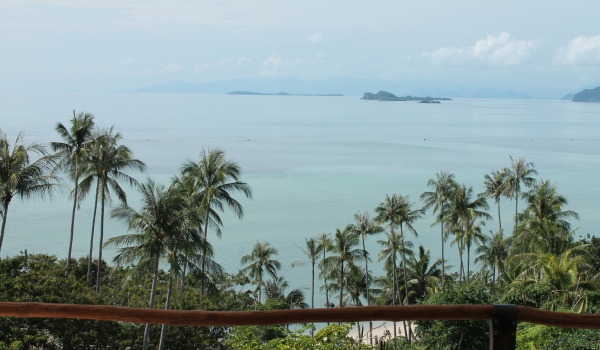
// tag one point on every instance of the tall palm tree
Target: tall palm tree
(443, 186)
(519, 173)
(325, 243)
(544, 225)
(20, 176)
(463, 209)
(470, 233)
(108, 161)
(496, 187)
(160, 227)
(344, 255)
(393, 246)
(424, 275)
(72, 153)
(261, 261)
(494, 254)
(216, 180)
(364, 227)
(312, 252)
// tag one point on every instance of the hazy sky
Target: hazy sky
(115, 44)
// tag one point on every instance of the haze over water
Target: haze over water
(313, 162)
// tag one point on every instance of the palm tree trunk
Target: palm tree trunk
(341, 283)
(443, 265)
(468, 261)
(89, 270)
(516, 208)
(324, 281)
(167, 305)
(4, 222)
(203, 260)
(312, 298)
(409, 334)
(499, 219)
(152, 294)
(73, 219)
(101, 242)
(367, 283)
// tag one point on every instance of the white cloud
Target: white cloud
(276, 63)
(315, 38)
(580, 51)
(201, 67)
(127, 61)
(173, 68)
(500, 50)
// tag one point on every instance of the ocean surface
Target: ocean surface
(312, 162)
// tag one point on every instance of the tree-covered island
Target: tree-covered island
(386, 96)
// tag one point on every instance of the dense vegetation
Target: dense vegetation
(386, 96)
(167, 260)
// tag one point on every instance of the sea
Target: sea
(312, 162)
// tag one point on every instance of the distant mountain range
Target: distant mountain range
(347, 87)
(587, 95)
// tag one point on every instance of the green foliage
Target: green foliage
(448, 335)
(532, 294)
(533, 337)
(332, 337)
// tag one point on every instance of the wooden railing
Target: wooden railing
(503, 317)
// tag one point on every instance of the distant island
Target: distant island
(386, 96)
(588, 95)
(277, 94)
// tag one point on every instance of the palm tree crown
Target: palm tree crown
(20, 176)
(261, 261)
(72, 154)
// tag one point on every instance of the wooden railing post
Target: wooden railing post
(503, 327)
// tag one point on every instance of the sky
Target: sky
(544, 48)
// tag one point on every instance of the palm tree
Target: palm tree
(496, 187)
(494, 254)
(366, 227)
(468, 233)
(344, 255)
(325, 244)
(275, 289)
(544, 225)
(392, 246)
(20, 177)
(261, 260)
(72, 153)
(108, 161)
(312, 252)
(519, 173)
(216, 179)
(463, 209)
(161, 227)
(443, 186)
(424, 278)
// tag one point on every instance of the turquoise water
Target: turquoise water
(314, 161)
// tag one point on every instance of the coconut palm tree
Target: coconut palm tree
(364, 227)
(216, 180)
(109, 160)
(20, 176)
(494, 254)
(275, 289)
(544, 225)
(424, 276)
(470, 233)
(438, 199)
(463, 209)
(325, 244)
(393, 246)
(519, 173)
(72, 153)
(496, 187)
(312, 252)
(161, 230)
(261, 261)
(344, 256)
